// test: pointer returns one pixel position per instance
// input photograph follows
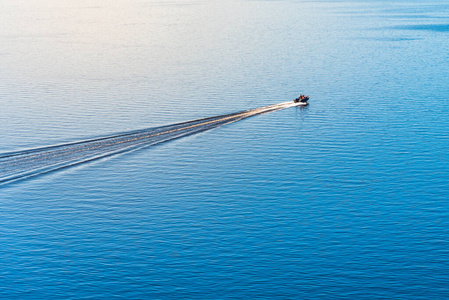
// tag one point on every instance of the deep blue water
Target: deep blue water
(345, 199)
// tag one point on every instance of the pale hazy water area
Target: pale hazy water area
(344, 199)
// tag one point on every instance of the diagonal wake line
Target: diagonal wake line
(32, 162)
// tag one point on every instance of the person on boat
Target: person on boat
(301, 98)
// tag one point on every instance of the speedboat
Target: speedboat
(302, 100)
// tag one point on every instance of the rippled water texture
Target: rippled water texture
(343, 199)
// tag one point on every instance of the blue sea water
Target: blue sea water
(344, 199)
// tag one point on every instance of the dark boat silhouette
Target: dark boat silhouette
(302, 100)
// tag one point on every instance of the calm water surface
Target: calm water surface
(345, 199)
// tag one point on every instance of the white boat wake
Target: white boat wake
(32, 162)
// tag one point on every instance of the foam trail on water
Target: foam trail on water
(23, 164)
